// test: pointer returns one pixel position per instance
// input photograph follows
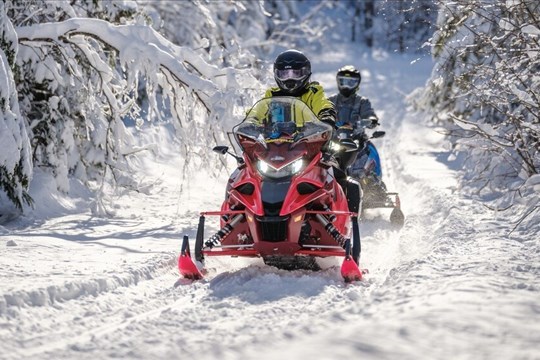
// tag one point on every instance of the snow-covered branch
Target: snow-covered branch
(139, 47)
(486, 81)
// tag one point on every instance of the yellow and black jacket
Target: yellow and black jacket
(315, 99)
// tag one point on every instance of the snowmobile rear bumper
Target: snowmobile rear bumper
(390, 201)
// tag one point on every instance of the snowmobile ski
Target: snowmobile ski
(187, 267)
(349, 268)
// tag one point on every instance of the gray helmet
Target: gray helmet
(348, 80)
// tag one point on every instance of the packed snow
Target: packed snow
(458, 281)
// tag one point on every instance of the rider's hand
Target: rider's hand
(374, 122)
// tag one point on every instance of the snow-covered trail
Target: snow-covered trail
(450, 284)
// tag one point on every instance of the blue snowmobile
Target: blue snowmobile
(364, 165)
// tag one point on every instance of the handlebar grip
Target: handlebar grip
(364, 122)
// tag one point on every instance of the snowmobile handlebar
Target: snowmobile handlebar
(363, 123)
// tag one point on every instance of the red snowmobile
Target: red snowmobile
(283, 202)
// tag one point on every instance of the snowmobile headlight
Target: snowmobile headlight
(335, 146)
(289, 169)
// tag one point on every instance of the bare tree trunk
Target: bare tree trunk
(401, 39)
(355, 19)
(369, 8)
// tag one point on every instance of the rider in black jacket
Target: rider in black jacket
(352, 107)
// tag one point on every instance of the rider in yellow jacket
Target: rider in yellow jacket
(315, 98)
(292, 72)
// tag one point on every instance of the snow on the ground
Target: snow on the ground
(454, 283)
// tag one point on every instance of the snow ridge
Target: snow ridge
(53, 294)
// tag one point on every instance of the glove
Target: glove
(328, 159)
(374, 122)
(328, 120)
(328, 116)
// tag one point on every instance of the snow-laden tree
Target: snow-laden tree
(216, 29)
(241, 33)
(301, 24)
(396, 25)
(404, 25)
(15, 158)
(78, 79)
(486, 87)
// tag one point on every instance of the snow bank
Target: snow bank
(70, 290)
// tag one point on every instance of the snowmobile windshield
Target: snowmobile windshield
(281, 119)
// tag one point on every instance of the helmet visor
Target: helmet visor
(291, 74)
(348, 82)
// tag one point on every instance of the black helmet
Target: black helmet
(348, 80)
(292, 71)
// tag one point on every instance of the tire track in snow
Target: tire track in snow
(73, 325)
(216, 313)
